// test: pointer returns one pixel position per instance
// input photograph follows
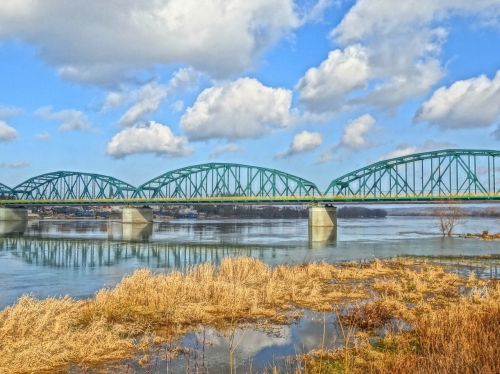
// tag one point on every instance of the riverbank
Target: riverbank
(146, 310)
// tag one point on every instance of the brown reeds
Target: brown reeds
(461, 335)
(52, 334)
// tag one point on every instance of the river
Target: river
(54, 258)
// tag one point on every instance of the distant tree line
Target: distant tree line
(253, 211)
(270, 211)
(219, 211)
(360, 212)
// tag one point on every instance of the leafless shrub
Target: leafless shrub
(449, 217)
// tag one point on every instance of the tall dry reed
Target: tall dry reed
(459, 335)
(51, 334)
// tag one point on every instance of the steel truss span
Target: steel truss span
(227, 182)
(68, 185)
(6, 192)
(453, 174)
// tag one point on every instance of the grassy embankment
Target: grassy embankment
(448, 328)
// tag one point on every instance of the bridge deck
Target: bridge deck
(264, 200)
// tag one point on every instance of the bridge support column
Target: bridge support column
(322, 216)
(12, 227)
(132, 214)
(12, 214)
(322, 224)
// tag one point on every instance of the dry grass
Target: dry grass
(461, 336)
(39, 336)
(464, 337)
(51, 334)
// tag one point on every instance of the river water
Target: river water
(54, 258)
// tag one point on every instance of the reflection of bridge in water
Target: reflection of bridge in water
(73, 253)
(88, 254)
(135, 238)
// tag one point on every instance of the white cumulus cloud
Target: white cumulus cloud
(355, 132)
(302, 142)
(354, 137)
(469, 103)
(113, 100)
(98, 41)
(401, 43)
(317, 11)
(325, 88)
(147, 100)
(225, 148)
(152, 137)
(396, 90)
(183, 79)
(372, 17)
(69, 119)
(7, 132)
(244, 108)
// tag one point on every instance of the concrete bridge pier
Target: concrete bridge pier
(322, 225)
(13, 214)
(13, 227)
(131, 214)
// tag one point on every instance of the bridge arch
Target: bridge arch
(6, 192)
(70, 185)
(227, 180)
(452, 174)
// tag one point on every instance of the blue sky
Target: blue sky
(314, 88)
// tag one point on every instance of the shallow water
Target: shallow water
(255, 348)
(53, 258)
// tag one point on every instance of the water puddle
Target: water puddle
(251, 348)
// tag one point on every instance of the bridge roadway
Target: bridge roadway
(278, 200)
(445, 175)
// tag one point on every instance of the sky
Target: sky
(316, 88)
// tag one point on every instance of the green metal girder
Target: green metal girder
(68, 185)
(6, 192)
(453, 174)
(226, 180)
(429, 175)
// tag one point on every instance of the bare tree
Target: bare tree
(449, 217)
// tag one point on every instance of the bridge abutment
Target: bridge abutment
(13, 214)
(132, 214)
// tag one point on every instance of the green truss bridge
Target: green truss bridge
(446, 175)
